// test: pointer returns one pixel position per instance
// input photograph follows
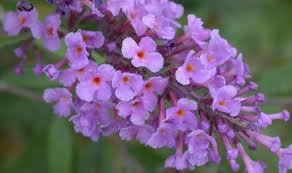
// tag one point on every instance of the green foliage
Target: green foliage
(60, 149)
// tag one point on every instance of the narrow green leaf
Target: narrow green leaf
(27, 80)
(7, 41)
(57, 54)
(60, 147)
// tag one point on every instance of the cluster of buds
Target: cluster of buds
(183, 92)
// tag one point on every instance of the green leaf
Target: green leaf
(277, 81)
(28, 79)
(152, 160)
(7, 41)
(60, 150)
(97, 57)
(60, 53)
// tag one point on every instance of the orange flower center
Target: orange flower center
(180, 113)
(126, 79)
(50, 31)
(141, 54)
(162, 131)
(78, 49)
(96, 80)
(135, 103)
(222, 103)
(210, 58)
(132, 14)
(189, 68)
(81, 70)
(22, 20)
(63, 98)
(85, 37)
(148, 86)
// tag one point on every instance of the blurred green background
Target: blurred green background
(33, 140)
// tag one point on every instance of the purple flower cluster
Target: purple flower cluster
(183, 92)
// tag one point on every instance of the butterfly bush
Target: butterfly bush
(185, 92)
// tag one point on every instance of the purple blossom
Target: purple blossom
(70, 75)
(172, 10)
(14, 22)
(99, 109)
(163, 137)
(19, 52)
(137, 109)
(114, 6)
(142, 133)
(76, 51)
(37, 69)
(235, 67)
(265, 120)
(199, 151)
(182, 116)
(50, 29)
(176, 161)
(135, 16)
(166, 11)
(215, 83)
(285, 159)
(95, 10)
(272, 143)
(143, 55)
(92, 39)
(97, 85)
(90, 119)
(152, 88)
(63, 99)
(87, 125)
(127, 85)
(225, 101)
(232, 153)
(51, 71)
(192, 69)
(196, 31)
(160, 26)
(155, 85)
(250, 165)
(218, 51)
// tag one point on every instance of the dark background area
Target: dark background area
(32, 139)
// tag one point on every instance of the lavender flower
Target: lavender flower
(182, 116)
(142, 133)
(198, 152)
(76, 52)
(192, 69)
(63, 99)
(193, 91)
(163, 137)
(96, 86)
(51, 71)
(218, 51)
(196, 31)
(285, 159)
(143, 55)
(127, 85)
(14, 22)
(160, 26)
(92, 39)
(137, 109)
(224, 100)
(50, 32)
